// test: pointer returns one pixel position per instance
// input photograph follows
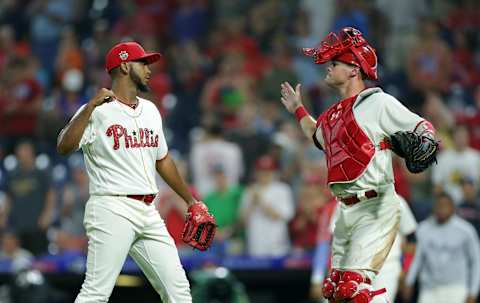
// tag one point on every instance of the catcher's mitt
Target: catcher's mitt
(200, 227)
(418, 151)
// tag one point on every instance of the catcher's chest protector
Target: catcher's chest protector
(348, 149)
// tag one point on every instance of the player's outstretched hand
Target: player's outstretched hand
(291, 98)
(103, 95)
(200, 227)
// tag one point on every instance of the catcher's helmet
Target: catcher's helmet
(347, 46)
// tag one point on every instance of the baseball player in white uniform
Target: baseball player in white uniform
(358, 135)
(124, 146)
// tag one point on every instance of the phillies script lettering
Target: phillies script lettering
(143, 137)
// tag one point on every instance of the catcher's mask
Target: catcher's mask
(348, 46)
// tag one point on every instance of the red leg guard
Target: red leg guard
(366, 296)
(330, 284)
(343, 287)
(347, 288)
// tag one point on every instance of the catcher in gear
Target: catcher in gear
(359, 135)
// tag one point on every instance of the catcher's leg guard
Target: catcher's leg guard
(348, 286)
(330, 284)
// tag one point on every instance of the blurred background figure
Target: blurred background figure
(447, 258)
(12, 252)
(70, 235)
(31, 199)
(266, 208)
(171, 207)
(469, 208)
(212, 150)
(223, 203)
(456, 163)
(312, 203)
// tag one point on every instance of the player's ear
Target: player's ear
(354, 72)
(124, 68)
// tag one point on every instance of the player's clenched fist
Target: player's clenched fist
(103, 95)
(291, 98)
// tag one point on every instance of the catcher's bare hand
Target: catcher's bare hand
(103, 95)
(291, 98)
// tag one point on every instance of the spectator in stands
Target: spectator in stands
(471, 118)
(213, 150)
(12, 251)
(311, 203)
(469, 208)
(266, 209)
(171, 206)
(434, 109)
(62, 104)
(69, 54)
(227, 91)
(429, 63)
(47, 19)
(223, 203)
(190, 21)
(31, 200)
(454, 164)
(23, 100)
(447, 258)
(71, 234)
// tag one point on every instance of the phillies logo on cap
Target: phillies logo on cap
(123, 55)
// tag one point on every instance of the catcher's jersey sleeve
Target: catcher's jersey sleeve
(395, 116)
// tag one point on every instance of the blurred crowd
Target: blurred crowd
(218, 89)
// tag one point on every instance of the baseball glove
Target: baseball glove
(200, 227)
(418, 151)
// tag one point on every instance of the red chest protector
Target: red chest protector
(348, 149)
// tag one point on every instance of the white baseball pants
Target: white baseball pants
(364, 233)
(389, 277)
(118, 226)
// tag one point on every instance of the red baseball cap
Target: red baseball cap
(128, 51)
(265, 162)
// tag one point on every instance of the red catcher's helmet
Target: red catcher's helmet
(347, 46)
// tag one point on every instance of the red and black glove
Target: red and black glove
(200, 227)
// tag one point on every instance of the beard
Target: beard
(138, 82)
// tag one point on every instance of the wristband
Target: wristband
(300, 112)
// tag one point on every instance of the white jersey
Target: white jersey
(206, 155)
(379, 115)
(121, 146)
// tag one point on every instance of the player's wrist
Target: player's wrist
(300, 112)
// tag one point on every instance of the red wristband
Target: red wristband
(300, 112)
